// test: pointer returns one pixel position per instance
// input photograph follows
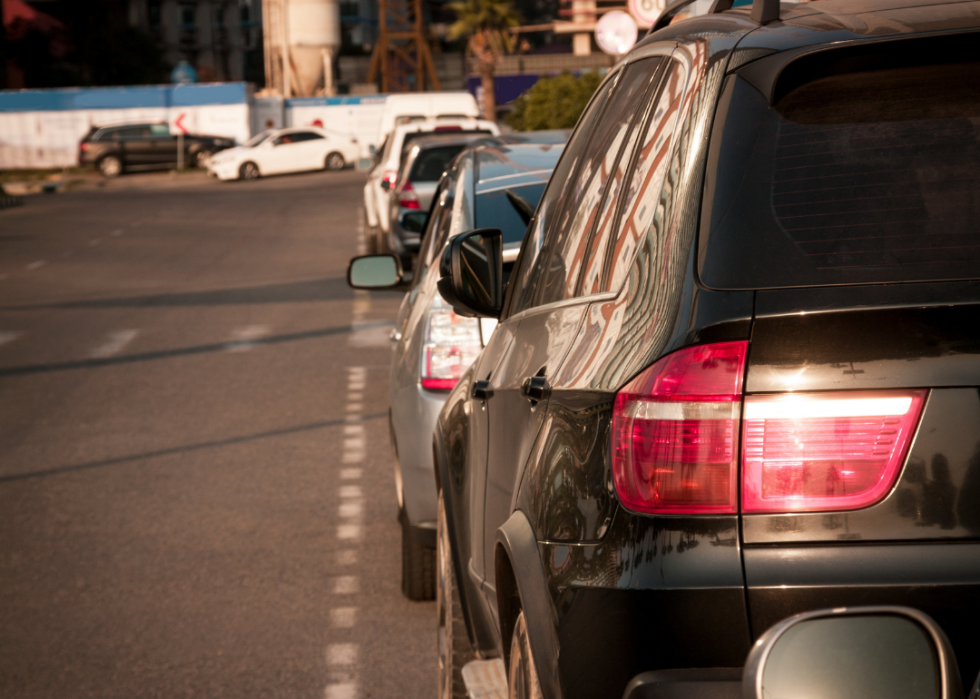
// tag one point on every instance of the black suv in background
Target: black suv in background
(737, 366)
(115, 149)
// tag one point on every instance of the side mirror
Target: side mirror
(365, 164)
(472, 275)
(374, 272)
(372, 150)
(853, 653)
(414, 221)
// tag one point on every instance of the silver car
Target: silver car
(492, 185)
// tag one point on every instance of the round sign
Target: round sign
(645, 12)
(615, 33)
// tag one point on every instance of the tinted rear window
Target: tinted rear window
(861, 177)
(432, 162)
(495, 210)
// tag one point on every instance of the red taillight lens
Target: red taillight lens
(451, 344)
(83, 147)
(822, 452)
(675, 432)
(390, 177)
(407, 199)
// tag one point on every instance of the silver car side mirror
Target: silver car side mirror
(853, 653)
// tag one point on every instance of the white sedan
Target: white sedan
(284, 150)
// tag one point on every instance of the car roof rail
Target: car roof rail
(763, 11)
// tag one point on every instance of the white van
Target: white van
(404, 109)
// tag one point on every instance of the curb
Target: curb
(7, 201)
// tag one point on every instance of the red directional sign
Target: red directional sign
(179, 123)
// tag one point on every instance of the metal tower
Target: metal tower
(402, 54)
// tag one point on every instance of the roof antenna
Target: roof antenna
(765, 11)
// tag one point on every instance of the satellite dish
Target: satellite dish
(615, 33)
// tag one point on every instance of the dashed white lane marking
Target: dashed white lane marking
(346, 557)
(348, 474)
(346, 532)
(8, 336)
(117, 340)
(361, 239)
(343, 617)
(341, 690)
(351, 509)
(346, 585)
(355, 407)
(355, 395)
(342, 654)
(36, 265)
(350, 491)
(243, 339)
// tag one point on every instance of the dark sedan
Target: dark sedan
(130, 147)
(735, 376)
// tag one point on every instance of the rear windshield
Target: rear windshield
(861, 177)
(432, 162)
(495, 210)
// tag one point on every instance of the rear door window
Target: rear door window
(859, 176)
(432, 162)
(496, 210)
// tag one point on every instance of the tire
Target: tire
(522, 676)
(418, 567)
(110, 166)
(335, 161)
(453, 643)
(248, 171)
(201, 158)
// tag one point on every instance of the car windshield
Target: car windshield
(853, 178)
(257, 139)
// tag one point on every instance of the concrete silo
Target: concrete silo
(302, 38)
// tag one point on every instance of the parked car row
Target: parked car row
(714, 424)
(114, 150)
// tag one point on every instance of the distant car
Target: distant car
(280, 151)
(494, 186)
(129, 147)
(388, 161)
(424, 162)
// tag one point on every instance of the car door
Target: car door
(311, 150)
(282, 155)
(162, 145)
(544, 301)
(135, 146)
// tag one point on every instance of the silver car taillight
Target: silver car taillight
(452, 342)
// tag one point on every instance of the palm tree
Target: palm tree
(486, 23)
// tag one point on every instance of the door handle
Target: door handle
(482, 390)
(535, 388)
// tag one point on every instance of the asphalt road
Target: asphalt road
(196, 494)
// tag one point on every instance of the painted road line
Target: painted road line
(351, 509)
(344, 654)
(348, 532)
(8, 336)
(349, 474)
(343, 617)
(343, 690)
(346, 585)
(243, 339)
(36, 265)
(347, 557)
(114, 345)
(350, 491)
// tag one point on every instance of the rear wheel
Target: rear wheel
(522, 676)
(335, 161)
(418, 566)
(454, 645)
(248, 171)
(110, 166)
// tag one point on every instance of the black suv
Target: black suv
(735, 376)
(115, 149)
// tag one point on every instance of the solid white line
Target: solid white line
(345, 585)
(342, 654)
(36, 265)
(348, 474)
(8, 336)
(343, 617)
(117, 340)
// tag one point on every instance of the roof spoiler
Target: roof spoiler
(763, 11)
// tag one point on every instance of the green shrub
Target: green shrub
(553, 103)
